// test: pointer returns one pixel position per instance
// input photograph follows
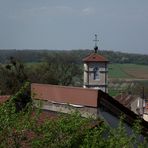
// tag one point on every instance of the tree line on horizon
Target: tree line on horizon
(74, 56)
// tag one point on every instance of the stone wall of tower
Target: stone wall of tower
(85, 77)
(89, 80)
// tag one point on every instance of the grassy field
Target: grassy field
(121, 76)
(116, 71)
(128, 71)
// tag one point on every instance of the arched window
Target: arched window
(96, 72)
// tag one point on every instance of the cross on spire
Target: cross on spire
(96, 40)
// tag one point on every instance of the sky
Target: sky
(121, 25)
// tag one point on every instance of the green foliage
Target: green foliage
(119, 137)
(67, 131)
(13, 123)
(41, 55)
(12, 76)
(59, 69)
(55, 73)
(25, 129)
(74, 55)
(113, 92)
(65, 68)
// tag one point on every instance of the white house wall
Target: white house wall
(67, 108)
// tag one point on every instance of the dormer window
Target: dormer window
(96, 72)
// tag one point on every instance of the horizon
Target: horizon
(80, 49)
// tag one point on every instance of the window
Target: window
(96, 72)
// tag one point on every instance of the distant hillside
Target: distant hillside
(75, 56)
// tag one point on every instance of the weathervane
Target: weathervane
(96, 40)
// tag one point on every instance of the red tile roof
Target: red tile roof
(125, 99)
(94, 57)
(63, 94)
(4, 99)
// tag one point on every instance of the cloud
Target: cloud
(88, 11)
(49, 11)
(42, 12)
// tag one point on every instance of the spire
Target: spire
(96, 40)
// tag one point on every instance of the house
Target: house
(65, 99)
(135, 103)
(89, 102)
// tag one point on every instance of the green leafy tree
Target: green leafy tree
(25, 129)
(12, 76)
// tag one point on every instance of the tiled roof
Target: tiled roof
(61, 94)
(125, 99)
(94, 57)
(4, 98)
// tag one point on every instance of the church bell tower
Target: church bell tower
(96, 70)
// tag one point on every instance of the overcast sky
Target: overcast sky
(121, 25)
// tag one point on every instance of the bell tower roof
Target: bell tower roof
(94, 57)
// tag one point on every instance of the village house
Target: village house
(135, 103)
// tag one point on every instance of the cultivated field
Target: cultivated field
(128, 71)
(128, 77)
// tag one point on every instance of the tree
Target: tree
(65, 69)
(58, 70)
(13, 76)
(26, 129)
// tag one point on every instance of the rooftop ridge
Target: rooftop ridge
(94, 57)
(67, 87)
